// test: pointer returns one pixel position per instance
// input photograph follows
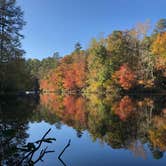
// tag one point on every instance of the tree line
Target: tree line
(122, 61)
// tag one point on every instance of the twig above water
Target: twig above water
(32, 149)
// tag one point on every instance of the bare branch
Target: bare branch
(64, 149)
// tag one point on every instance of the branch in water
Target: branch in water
(31, 149)
(64, 149)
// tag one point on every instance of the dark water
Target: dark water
(128, 130)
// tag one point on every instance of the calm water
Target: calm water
(104, 131)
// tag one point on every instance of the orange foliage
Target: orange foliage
(74, 109)
(124, 108)
(74, 77)
(70, 109)
(126, 77)
(69, 75)
(69, 78)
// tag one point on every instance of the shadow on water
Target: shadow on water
(15, 113)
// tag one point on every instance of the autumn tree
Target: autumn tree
(74, 76)
(69, 74)
(97, 65)
(159, 49)
(127, 58)
(126, 77)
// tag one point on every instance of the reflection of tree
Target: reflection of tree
(69, 109)
(138, 149)
(79, 133)
(126, 122)
(157, 154)
(12, 136)
(124, 108)
(157, 133)
(14, 115)
(74, 110)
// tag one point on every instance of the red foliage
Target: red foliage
(124, 108)
(126, 77)
(70, 109)
(74, 76)
(69, 75)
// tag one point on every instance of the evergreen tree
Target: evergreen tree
(160, 26)
(11, 23)
(77, 47)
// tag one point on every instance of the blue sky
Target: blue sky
(56, 25)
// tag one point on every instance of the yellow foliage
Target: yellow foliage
(159, 45)
(147, 83)
(158, 134)
(159, 49)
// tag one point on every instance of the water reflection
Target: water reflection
(133, 123)
(127, 122)
(14, 117)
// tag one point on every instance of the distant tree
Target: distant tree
(77, 47)
(40, 68)
(160, 26)
(33, 66)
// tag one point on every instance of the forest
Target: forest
(128, 60)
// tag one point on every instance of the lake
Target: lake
(104, 130)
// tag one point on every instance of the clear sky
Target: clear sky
(56, 25)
